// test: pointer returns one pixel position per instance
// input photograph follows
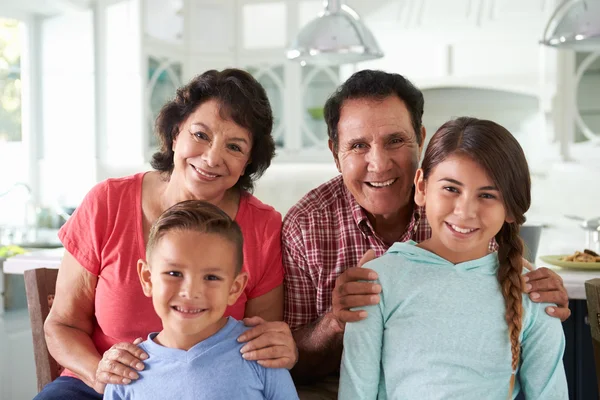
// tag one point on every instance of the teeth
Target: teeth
(383, 184)
(204, 173)
(461, 230)
(183, 310)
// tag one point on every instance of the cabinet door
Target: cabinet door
(164, 77)
(579, 356)
(272, 79)
(318, 83)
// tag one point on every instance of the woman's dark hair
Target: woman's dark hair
(499, 153)
(197, 216)
(373, 84)
(241, 99)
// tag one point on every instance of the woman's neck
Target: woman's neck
(173, 192)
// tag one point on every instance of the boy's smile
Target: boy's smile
(191, 277)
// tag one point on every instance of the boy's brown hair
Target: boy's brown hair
(198, 216)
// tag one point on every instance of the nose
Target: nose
(465, 207)
(378, 159)
(213, 156)
(191, 288)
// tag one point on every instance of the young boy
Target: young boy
(193, 272)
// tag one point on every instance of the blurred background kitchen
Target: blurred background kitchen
(81, 82)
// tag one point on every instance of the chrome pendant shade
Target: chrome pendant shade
(575, 25)
(336, 36)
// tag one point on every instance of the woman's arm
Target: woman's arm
(69, 328)
(269, 306)
(541, 373)
(69, 325)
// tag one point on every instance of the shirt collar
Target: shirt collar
(362, 221)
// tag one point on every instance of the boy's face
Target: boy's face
(191, 279)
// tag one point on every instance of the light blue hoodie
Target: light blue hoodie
(439, 332)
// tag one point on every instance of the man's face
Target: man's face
(378, 154)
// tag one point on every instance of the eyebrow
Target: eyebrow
(386, 137)
(205, 127)
(460, 184)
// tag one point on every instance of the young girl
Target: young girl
(452, 322)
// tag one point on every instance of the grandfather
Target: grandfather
(376, 138)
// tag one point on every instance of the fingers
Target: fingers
(268, 340)
(119, 364)
(268, 353)
(528, 266)
(270, 344)
(557, 297)
(277, 363)
(350, 316)
(368, 256)
(354, 288)
(354, 301)
(355, 275)
(275, 326)
(562, 313)
(541, 274)
(544, 285)
(253, 321)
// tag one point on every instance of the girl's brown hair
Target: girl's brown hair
(499, 153)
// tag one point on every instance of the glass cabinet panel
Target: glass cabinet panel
(318, 83)
(271, 78)
(164, 77)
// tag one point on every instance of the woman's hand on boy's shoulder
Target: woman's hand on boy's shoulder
(119, 365)
(271, 344)
(545, 286)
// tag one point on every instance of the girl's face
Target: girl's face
(464, 208)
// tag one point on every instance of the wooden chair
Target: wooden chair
(40, 286)
(592, 291)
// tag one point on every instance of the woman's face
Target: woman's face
(211, 153)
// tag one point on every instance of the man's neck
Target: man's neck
(391, 227)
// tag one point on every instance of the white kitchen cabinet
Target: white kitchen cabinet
(487, 45)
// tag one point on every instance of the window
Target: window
(14, 166)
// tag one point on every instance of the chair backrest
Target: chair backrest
(592, 291)
(40, 285)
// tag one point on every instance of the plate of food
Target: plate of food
(586, 259)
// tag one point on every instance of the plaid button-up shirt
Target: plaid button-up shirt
(323, 235)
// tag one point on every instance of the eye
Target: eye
(397, 141)
(359, 146)
(200, 136)
(451, 189)
(175, 274)
(488, 196)
(234, 147)
(212, 278)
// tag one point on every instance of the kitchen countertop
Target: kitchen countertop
(573, 279)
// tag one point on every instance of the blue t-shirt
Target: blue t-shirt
(212, 369)
(439, 332)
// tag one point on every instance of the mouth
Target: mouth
(188, 311)
(204, 174)
(381, 184)
(461, 230)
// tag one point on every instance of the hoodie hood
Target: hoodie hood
(487, 265)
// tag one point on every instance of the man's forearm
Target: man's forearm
(320, 346)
